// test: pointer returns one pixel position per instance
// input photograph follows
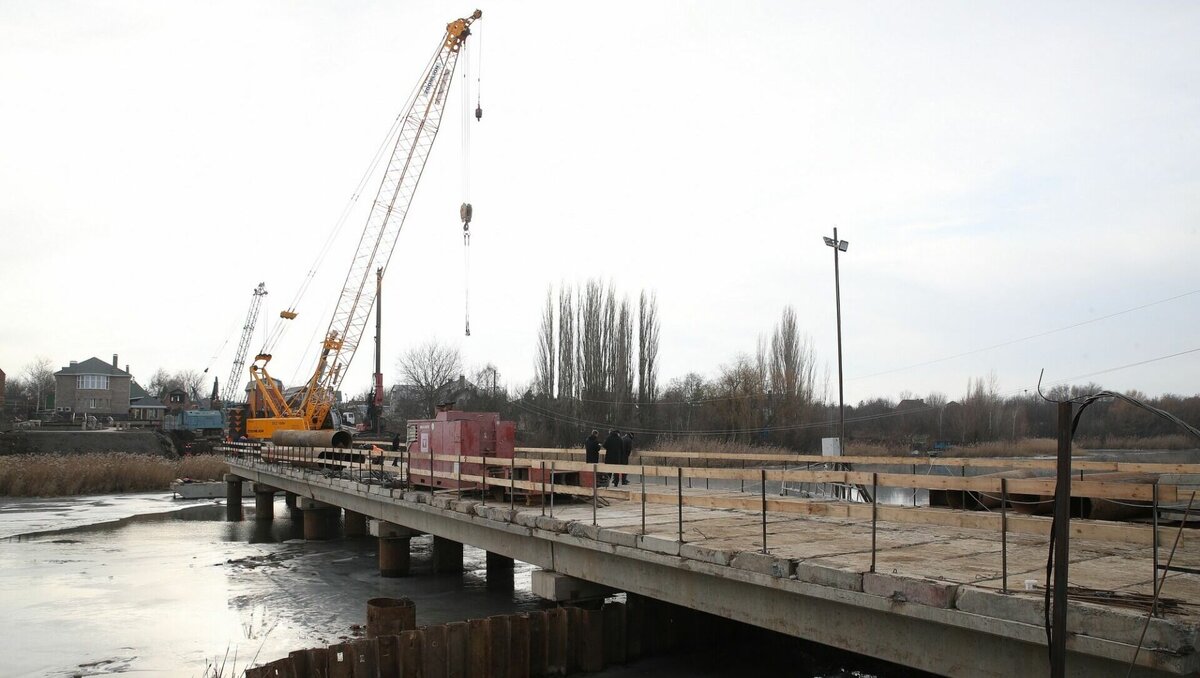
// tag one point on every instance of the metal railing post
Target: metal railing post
(1154, 603)
(543, 488)
(643, 499)
(679, 494)
(512, 482)
(595, 490)
(874, 514)
(551, 489)
(764, 509)
(1004, 535)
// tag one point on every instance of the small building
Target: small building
(93, 387)
(144, 407)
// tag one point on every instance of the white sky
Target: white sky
(999, 170)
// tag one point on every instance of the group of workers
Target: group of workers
(617, 450)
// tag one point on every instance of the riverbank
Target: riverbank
(56, 475)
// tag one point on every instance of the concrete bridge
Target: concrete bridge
(940, 590)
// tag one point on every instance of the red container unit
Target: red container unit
(458, 433)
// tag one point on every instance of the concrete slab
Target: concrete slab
(306, 504)
(551, 524)
(617, 537)
(764, 563)
(465, 506)
(583, 530)
(829, 575)
(386, 530)
(1110, 623)
(909, 590)
(708, 555)
(558, 587)
(657, 544)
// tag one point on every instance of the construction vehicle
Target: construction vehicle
(308, 417)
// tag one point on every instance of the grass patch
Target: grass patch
(52, 475)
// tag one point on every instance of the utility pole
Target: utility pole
(839, 246)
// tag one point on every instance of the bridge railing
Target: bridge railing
(544, 479)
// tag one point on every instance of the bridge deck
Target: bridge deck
(925, 551)
(933, 578)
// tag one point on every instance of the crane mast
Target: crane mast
(310, 409)
(239, 358)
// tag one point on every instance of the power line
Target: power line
(1038, 335)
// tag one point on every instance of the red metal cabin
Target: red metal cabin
(458, 433)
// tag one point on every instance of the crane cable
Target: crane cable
(378, 158)
(465, 211)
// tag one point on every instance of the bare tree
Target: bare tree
(428, 368)
(566, 343)
(39, 379)
(647, 351)
(592, 377)
(544, 367)
(161, 382)
(792, 372)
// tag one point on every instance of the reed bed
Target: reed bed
(51, 475)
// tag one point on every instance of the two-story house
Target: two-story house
(93, 387)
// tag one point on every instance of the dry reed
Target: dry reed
(50, 475)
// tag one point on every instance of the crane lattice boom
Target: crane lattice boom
(386, 218)
(239, 358)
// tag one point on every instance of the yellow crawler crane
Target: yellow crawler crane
(310, 409)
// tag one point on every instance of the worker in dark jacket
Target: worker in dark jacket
(591, 448)
(612, 452)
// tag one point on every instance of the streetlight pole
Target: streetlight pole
(839, 246)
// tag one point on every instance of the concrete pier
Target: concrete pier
(289, 499)
(233, 497)
(394, 547)
(320, 519)
(447, 555)
(264, 504)
(354, 524)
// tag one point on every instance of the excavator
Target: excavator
(308, 417)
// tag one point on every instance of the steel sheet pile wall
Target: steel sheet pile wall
(558, 641)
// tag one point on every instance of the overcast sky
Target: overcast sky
(1001, 172)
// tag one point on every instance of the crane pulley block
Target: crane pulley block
(465, 212)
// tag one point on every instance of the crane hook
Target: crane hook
(478, 112)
